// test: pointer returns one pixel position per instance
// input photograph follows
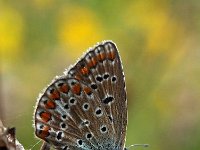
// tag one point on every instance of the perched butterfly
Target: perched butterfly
(86, 108)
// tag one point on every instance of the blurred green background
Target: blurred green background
(159, 43)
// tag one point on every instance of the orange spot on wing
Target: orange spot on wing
(50, 105)
(78, 77)
(44, 132)
(99, 57)
(92, 63)
(64, 88)
(84, 71)
(103, 56)
(76, 89)
(45, 116)
(54, 94)
(111, 55)
(87, 90)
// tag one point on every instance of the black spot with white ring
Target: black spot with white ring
(80, 142)
(108, 100)
(86, 106)
(64, 116)
(98, 112)
(106, 76)
(72, 101)
(88, 136)
(59, 135)
(99, 78)
(114, 79)
(63, 125)
(93, 86)
(103, 129)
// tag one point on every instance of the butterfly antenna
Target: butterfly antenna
(136, 145)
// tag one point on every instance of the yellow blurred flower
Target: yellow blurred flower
(160, 29)
(78, 28)
(11, 31)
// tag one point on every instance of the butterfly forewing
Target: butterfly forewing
(86, 108)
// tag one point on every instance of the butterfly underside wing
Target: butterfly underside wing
(86, 108)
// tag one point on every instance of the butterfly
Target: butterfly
(86, 107)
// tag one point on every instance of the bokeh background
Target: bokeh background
(159, 43)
